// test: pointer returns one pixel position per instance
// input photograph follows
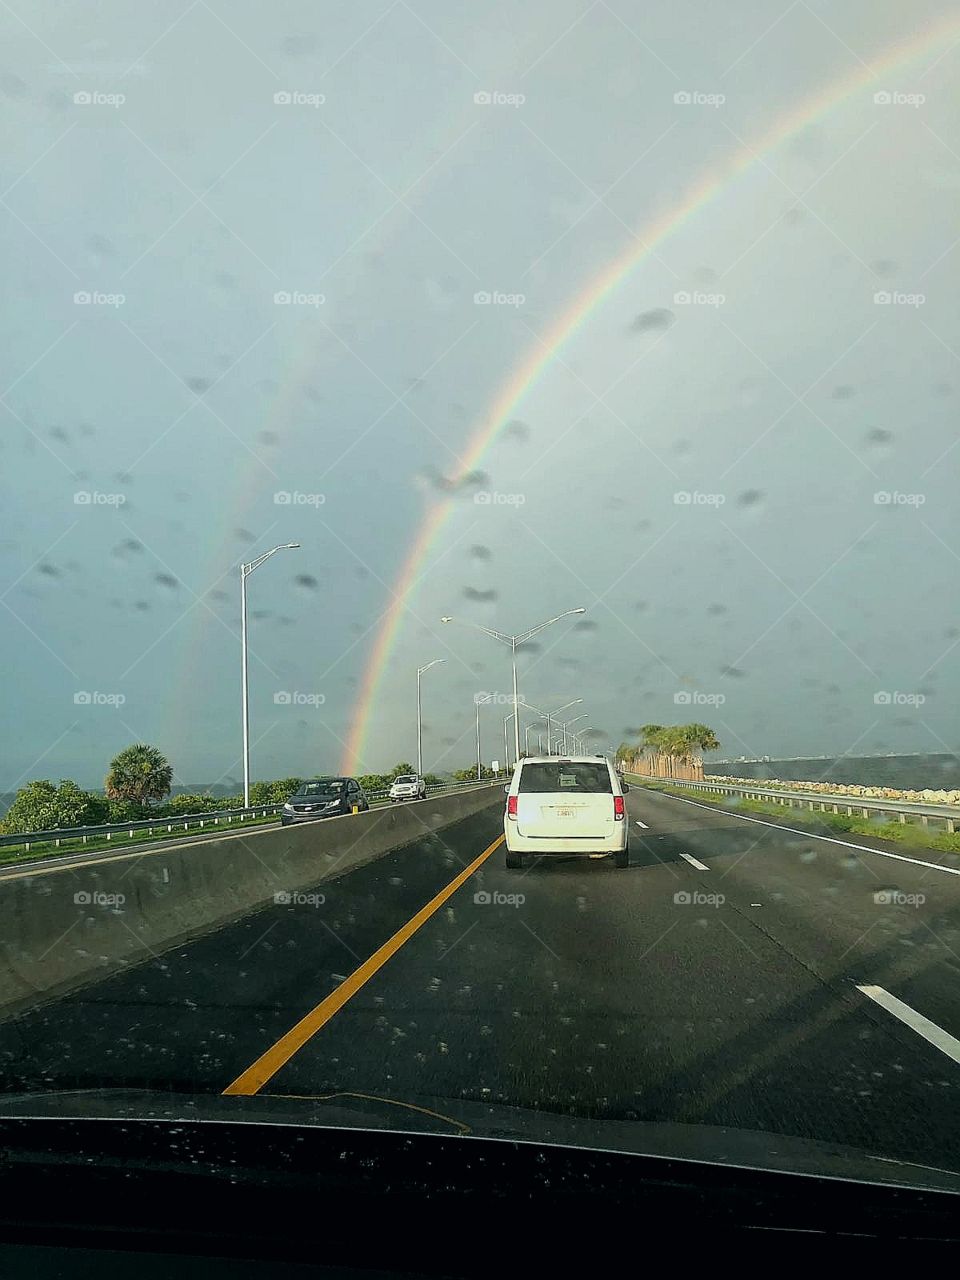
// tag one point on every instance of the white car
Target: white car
(408, 786)
(566, 804)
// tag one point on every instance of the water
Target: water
(908, 773)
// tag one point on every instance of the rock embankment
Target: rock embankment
(927, 796)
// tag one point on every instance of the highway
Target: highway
(736, 974)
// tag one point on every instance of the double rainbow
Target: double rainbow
(528, 375)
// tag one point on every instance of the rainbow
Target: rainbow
(539, 360)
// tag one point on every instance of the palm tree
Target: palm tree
(677, 748)
(140, 774)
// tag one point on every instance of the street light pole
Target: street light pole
(569, 722)
(420, 671)
(245, 572)
(551, 714)
(514, 642)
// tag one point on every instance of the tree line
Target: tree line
(138, 785)
(662, 747)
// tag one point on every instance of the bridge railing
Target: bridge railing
(826, 802)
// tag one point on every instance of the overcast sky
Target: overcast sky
(702, 476)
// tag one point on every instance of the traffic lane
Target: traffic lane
(850, 914)
(625, 994)
(197, 1015)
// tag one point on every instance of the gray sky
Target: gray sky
(780, 600)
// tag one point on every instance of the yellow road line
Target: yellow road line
(278, 1055)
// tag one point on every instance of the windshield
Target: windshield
(326, 790)
(415, 391)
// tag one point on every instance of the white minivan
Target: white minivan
(565, 804)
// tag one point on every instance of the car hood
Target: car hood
(708, 1144)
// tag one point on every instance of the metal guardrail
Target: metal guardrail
(177, 822)
(837, 802)
(107, 830)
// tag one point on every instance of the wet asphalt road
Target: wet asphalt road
(717, 980)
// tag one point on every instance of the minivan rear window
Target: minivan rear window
(564, 776)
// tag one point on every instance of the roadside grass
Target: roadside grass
(908, 833)
(12, 854)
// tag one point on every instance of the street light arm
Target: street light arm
(434, 663)
(532, 631)
(575, 702)
(255, 564)
(497, 635)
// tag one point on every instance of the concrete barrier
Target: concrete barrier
(63, 927)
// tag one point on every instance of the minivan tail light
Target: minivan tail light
(618, 808)
(512, 807)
